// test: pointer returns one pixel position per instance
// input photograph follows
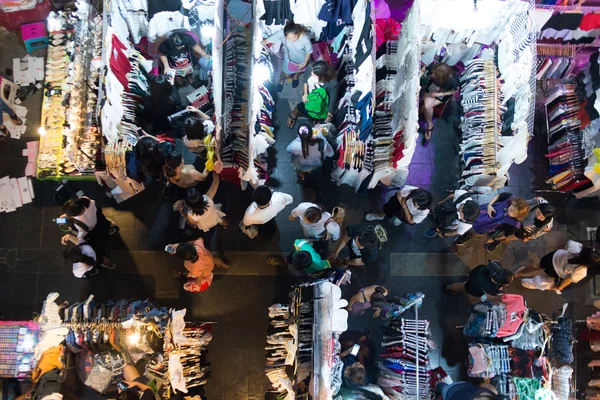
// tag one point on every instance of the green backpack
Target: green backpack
(317, 104)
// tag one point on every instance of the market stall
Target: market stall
(524, 354)
(302, 343)
(70, 142)
(106, 339)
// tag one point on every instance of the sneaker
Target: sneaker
(489, 247)
(431, 233)
(113, 229)
(374, 216)
(462, 239)
(110, 266)
(397, 221)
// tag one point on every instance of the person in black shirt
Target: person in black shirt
(362, 244)
(178, 54)
(439, 83)
(486, 280)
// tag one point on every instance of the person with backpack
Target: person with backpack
(363, 243)
(454, 215)
(410, 205)
(309, 150)
(263, 210)
(500, 218)
(86, 220)
(467, 391)
(319, 103)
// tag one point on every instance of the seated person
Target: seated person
(196, 128)
(178, 54)
(314, 106)
(454, 215)
(439, 83)
(363, 246)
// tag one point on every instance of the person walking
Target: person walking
(308, 151)
(538, 222)
(558, 269)
(199, 209)
(454, 215)
(86, 220)
(303, 258)
(410, 205)
(264, 208)
(362, 243)
(85, 259)
(485, 280)
(315, 222)
(500, 218)
(297, 50)
(5, 108)
(199, 263)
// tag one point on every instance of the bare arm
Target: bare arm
(341, 244)
(200, 50)
(490, 208)
(407, 215)
(200, 113)
(165, 63)
(564, 284)
(213, 186)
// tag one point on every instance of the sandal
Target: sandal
(426, 136)
(15, 118)
(291, 121)
(274, 261)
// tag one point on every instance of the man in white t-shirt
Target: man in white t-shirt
(266, 205)
(315, 221)
(410, 205)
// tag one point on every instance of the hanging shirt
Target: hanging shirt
(259, 216)
(164, 22)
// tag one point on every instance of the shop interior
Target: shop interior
(520, 116)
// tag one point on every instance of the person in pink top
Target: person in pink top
(199, 263)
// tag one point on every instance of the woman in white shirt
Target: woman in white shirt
(308, 151)
(83, 257)
(560, 268)
(87, 220)
(315, 221)
(200, 210)
(410, 205)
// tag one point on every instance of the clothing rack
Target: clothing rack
(584, 9)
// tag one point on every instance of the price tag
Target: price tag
(131, 139)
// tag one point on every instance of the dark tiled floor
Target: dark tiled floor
(31, 263)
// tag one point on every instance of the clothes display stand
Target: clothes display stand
(17, 342)
(567, 24)
(404, 369)
(556, 61)
(303, 340)
(525, 354)
(70, 144)
(105, 335)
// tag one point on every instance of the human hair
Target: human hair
(75, 207)
(323, 71)
(307, 139)
(421, 197)
(470, 211)
(313, 214)
(145, 148)
(73, 254)
(160, 90)
(502, 276)
(378, 298)
(368, 238)
(356, 374)
(292, 28)
(194, 128)
(262, 195)
(176, 39)
(196, 201)
(442, 72)
(522, 208)
(301, 260)
(187, 251)
(548, 211)
(588, 256)
(174, 160)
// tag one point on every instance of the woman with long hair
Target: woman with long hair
(309, 150)
(560, 268)
(439, 83)
(180, 174)
(315, 107)
(297, 50)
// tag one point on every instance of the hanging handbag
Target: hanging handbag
(107, 365)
